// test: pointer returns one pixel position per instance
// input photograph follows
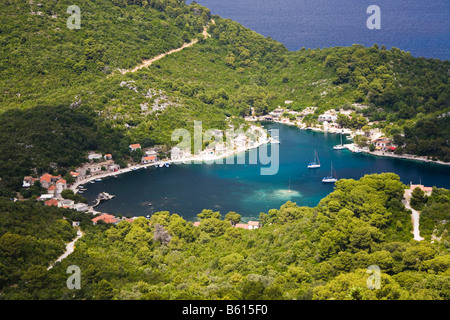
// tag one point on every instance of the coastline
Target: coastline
(374, 153)
(194, 159)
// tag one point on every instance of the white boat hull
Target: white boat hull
(329, 180)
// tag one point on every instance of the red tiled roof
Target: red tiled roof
(241, 225)
(74, 174)
(149, 158)
(105, 217)
(51, 202)
(61, 181)
(52, 187)
(135, 146)
(196, 223)
(46, 177)
(253, 223)
(423, 188)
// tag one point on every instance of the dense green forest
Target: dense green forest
(31, 237)
(299, 252)
(64, 94)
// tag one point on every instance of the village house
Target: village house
(65, 203)
(134, 147)
(80, 207)
(51, 202)
(328, 116)
(253, 225)
(98, 168)
(381, 143)
(51, 189)
(148, 159)
(28, 181)
(46, 180)
(94, 156)
(151, 152)
(108, 156)
(107, 218)
(75, 175)
(427, 190)
(61, 184)
(241, 225)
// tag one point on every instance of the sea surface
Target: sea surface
(418, 26)
(186, 189)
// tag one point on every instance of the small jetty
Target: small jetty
(103, 196)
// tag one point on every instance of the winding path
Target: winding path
(414, 215)
(69, 249)
(147, 63)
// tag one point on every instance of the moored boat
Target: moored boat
(331, 178)
(315, 163)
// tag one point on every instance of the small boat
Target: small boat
(161, 165)
(80, 186)
(98, 179)
(80, 191)
(331, 178)
(134, 169)
(92, 181)
(167, 165)
(339, 146)
(149, 204)
(315, 163)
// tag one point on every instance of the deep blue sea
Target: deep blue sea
(186, 189)
(418, 26)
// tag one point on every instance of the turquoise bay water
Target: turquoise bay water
(186, 189)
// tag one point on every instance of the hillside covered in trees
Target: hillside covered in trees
(66, 85)
(299, 253)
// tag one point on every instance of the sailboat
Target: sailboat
(339, 146)
(330, 178)
(315, 163)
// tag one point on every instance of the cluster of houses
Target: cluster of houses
(224, 145)
(54, 185)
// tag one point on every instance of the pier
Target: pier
(102, 197)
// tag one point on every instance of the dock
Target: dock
(103, 196)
